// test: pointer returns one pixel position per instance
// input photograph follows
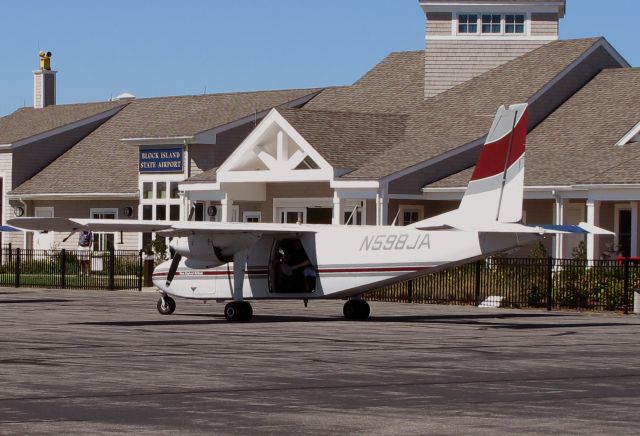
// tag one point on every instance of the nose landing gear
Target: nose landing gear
(166, 305)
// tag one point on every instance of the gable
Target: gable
(275, 152)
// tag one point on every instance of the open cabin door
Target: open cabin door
(291, 270)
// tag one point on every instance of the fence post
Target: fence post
(17, 268)
(10, 253)
(112, 269)
(625, 296)
(63, 268)
(549, 282)
(477, 282)
(410, 291)
(140, 268)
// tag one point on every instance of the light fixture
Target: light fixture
(212, 211)
(18, 211)
(128, 211)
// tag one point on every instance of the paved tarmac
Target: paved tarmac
(93, 362)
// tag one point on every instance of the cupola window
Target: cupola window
(514, 24)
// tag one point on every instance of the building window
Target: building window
(161, 201)
(491, 23)
(410, 214)
(251, 217)
(104, 241)
(468, 23)
(147, 190)
(514, 24)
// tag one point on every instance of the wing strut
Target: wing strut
(239, 265)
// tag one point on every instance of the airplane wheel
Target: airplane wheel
(232, 311)
(166, 305)
(364, 309)
(238, 311)
(356, 309)
(247, 311)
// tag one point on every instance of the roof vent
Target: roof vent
(125, 96)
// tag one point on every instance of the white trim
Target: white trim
(602, 42)
(61, 129)
(73, 196)
(492, 37)
(280, 172)
(434, 160)
(355, 184)
(635, 130)
(167, 141)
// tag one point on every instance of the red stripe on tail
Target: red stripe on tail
(492, 158)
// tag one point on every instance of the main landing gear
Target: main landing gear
(356, 309)
(238, 311)
(166, 305)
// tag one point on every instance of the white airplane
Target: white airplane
(251, 261)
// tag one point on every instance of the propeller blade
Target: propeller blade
(173, 268)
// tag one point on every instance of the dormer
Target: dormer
(465, 38)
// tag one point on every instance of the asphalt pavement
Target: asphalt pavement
(94, 362)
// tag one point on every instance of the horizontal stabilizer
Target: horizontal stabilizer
(452, 222)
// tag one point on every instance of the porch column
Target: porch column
(226, 204)
(338, 209)
(558, 219)
(593, 210)
(382, 208)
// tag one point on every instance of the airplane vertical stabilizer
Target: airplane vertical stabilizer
(495, 192)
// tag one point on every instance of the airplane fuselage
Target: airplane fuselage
(345, 261)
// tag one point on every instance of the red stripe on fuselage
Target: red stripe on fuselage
(320, 271)
(494, 154)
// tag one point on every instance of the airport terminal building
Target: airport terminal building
(395, 147)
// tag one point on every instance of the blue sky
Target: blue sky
(157, 48)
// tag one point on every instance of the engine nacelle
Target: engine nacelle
(214, 250)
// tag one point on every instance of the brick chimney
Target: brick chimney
(44, 83)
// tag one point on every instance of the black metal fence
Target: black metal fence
(602, 285)
(70, 269)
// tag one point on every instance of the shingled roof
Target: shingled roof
(464, 113)
(395, 85)
(27, 122)
(347, 139)
(576, 145)
(101, 163)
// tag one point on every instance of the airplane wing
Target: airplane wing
(165, 228)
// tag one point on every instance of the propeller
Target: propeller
(173, 268)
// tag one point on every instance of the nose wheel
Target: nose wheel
(166, 305)
(238, 311)
(356, 309)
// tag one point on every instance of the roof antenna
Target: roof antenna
(205, 90)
